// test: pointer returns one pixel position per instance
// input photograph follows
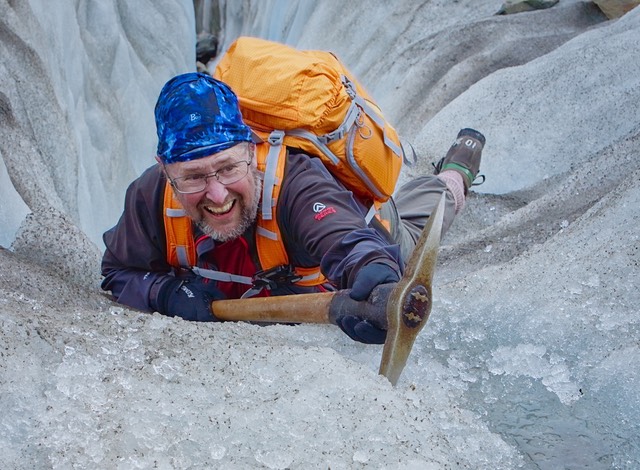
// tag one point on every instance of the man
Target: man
(207, 154)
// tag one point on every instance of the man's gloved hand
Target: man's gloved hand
(366, 280)
(188, 298)
(369, 277)
(361, 330)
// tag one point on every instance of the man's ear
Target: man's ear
(161, 165)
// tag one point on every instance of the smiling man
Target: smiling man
(220, 193)
(209, 176)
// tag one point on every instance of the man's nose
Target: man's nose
(216, 191)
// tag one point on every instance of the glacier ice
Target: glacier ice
(530, 356)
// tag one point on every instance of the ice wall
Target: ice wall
(277, 20)
(563, 138)
(78, 83)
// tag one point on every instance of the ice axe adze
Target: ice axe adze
(401, 308)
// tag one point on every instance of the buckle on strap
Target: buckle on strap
(272, 278)
(350, 88)
(276, 137)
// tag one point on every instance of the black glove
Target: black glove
(366, 280)
(361, 330)
(371, 276)
(188, 298)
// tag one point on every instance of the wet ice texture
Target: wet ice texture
(563, 336)
(88, 385)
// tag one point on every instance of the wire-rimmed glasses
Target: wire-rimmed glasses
(230, 173)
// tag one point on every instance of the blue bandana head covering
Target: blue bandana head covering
(196, 116)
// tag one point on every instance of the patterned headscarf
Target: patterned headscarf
(196, 116)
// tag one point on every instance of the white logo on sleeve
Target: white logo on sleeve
(322, 211)
(318, 207)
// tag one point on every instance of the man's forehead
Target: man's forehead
(213, 159)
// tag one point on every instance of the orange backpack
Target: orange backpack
(313, 103)
(306, 100)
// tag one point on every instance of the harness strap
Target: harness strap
(221, 276)
(271, 250)
(349, 120)
(181, 251)
(175, 212)
(371, 214)
(263, 232)
(309, 276)
(322, 146)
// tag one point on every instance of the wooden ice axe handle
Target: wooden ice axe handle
(321, 308)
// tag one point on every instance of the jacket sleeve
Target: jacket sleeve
(324, 225)
(134, 263)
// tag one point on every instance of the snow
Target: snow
(529, 359)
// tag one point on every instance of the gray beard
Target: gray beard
(248, 216)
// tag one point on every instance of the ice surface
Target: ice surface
(506, 102)
(530, 356)
(13, 210)
(89, 386)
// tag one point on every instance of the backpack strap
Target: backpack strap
(375, 117)
(271, 157)
(221, 276)
(181, 251)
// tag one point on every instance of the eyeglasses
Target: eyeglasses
(228, 174)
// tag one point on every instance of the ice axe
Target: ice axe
(401, 308)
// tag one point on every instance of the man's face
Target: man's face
(222, 211)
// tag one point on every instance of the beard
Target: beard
(248, 215)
